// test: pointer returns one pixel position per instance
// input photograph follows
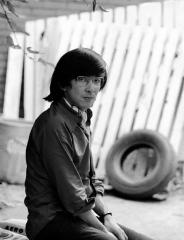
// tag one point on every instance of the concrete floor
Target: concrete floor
(161, 220)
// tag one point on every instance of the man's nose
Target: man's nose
(91, 86)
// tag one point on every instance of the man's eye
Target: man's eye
(97, 80)
(81, 79)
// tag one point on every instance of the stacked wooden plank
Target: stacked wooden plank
(145, 72)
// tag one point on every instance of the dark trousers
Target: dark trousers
(67, 227)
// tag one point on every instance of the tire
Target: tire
(140, 164)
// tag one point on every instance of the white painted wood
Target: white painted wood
(120, 96)
(168, 14)
(106, 99)
(39, 68)
(111, 40)
(176, 135)
(126, 77)
(100, 37)
(75, 39)
(119, 15)
(179, 10)
(144, 14)
(150, 14)
(84, 16)
(73, 17)
(137, 81)
(132, 15)
(158, 102)
(107, 17)
(173, 92)
(51, 41)
(29, 74)
(56, 28)
(113, 82)
(66, 32)
(14, 79)
(88, 34)
(151, 79)
(96, 17)
(98, 44)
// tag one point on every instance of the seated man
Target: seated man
(63, 196)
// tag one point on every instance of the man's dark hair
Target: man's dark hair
(77, 62)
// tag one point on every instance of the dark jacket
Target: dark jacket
(60, 174)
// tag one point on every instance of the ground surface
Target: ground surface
(161, 220)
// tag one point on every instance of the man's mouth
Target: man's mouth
(89, 98)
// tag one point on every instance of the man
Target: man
(63, 197)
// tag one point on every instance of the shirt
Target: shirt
(60, 174)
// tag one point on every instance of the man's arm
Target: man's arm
(101, 209)
(90, 218)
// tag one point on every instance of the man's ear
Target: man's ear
(63, 89)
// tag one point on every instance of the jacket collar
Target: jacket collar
(82, 118)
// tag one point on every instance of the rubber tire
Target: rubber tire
(153, 183)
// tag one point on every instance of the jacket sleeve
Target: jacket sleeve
(58, 154)
(97, 183)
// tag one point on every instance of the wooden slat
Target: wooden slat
(85, 16)
(126, 77)
(107, 16)
(88, 35)
(164, 75)
(151, 79)
(75, 39)
(176, 135)
(135, 87)
(168, 14)
(150, 14)
(51, 41)
(29, 74)
(14, 79)
(131, 15)
(119, 15)
(173, 92)
(113, 81)
(66, 31)
(97, 46)
(106, 99)
(96, 17)
(123, 86)
(100, 37)
(39, 68)
(179, 10)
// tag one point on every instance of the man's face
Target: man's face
(83, 91)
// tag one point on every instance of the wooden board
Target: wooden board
(51, 41)
(150, 81)
(106, 99)
(66, 31)
(125, 79)
(137, 81)
(119, 15)
(173, 93)
(177, 131)
(131, 15)
(150, 14)
(76, 37)
(14, 79)
(39, 68)
(88, 34)
(29, 74)
(98, 43)
(113, 82)
(164, 76)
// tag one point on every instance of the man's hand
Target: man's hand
(114, 228)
